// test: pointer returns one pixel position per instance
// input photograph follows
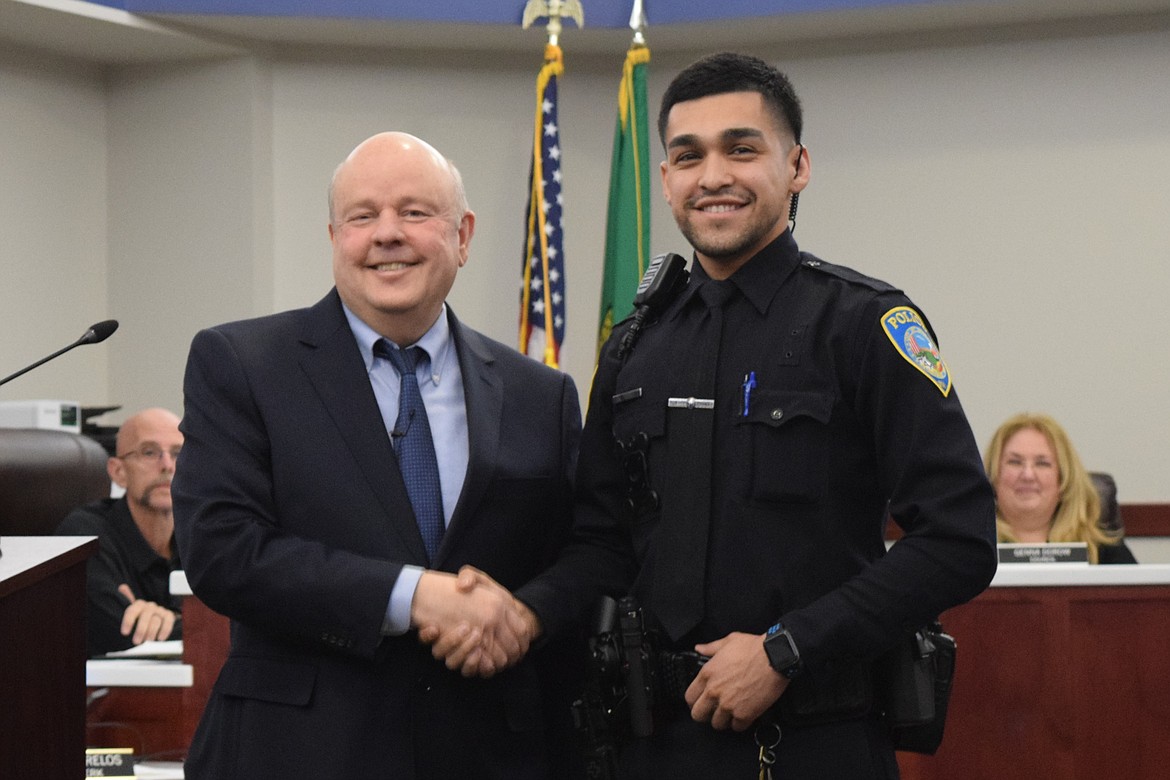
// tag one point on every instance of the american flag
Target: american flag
(542, 293)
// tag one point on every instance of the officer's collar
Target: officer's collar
(758, 279)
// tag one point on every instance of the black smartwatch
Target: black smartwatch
(782, 652)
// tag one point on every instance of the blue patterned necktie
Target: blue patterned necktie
(415, 448)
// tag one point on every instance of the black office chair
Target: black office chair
(45, 474)
(1110, 509)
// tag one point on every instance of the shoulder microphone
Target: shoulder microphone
(664, 279)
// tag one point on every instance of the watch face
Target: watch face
(782, 653)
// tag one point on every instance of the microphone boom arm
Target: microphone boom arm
(98, 332)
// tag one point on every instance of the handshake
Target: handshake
(472, 623)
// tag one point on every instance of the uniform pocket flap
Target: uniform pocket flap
(641, 415)
(776, 408)
(268, 679)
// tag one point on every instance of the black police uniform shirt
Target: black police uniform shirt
(852, 418)
(123, 556)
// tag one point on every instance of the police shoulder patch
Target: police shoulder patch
(908, 333)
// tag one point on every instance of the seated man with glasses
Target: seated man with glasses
(128, 580)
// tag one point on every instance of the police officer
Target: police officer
(742, 454)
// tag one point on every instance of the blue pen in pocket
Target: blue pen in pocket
(749, 383)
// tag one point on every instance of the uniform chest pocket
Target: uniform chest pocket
(788, 433)
(635, 414)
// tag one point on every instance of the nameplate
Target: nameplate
(628, 395)
(1050, 552)
(110, 762)
(690, 403)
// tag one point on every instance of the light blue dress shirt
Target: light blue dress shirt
(441, 384)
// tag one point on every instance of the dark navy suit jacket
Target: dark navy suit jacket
(292, 519)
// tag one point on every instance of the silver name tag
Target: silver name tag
(690, 403)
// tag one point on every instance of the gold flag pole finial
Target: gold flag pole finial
(554, 10)
(638, 23)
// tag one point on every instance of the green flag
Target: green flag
(627, 229)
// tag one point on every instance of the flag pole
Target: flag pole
(553, 10)
(543, 250)
(627, 227)
(638, 23)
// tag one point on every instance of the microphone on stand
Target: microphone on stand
(97, 332)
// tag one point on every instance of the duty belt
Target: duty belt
(674, 673)
(807, 701)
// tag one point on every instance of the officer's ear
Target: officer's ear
(799, 182)
(801, 167)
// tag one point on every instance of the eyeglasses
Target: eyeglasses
(151, 452)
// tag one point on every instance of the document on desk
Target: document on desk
(140, 672)
(166, 650)
(147, 664)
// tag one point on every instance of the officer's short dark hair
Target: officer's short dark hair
(731, 72)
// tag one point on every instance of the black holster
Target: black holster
(917, 678)
(909, 686)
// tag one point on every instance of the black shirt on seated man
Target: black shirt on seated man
(127, 581)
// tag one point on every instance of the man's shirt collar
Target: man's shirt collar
(436, 341)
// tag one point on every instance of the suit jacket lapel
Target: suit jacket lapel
(483, 390)
(333, 363)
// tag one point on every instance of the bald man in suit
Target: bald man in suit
(294, 520)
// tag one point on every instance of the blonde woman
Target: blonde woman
(1043, 493)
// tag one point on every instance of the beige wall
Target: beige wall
(53, 197)
(190, 215)
(1016, 190)
(1018, 193)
